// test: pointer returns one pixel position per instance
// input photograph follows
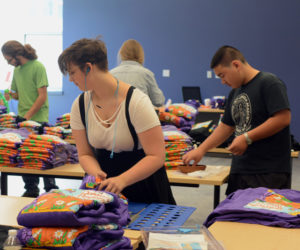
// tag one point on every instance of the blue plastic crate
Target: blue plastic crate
(161, 215)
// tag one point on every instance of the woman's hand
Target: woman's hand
(113, 184)
(100, 174)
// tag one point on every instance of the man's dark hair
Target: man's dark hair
(14, 48)
(225, 55)
(84, 51)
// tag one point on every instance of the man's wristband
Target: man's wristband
(248, 140)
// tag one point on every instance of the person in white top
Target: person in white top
(117, 132)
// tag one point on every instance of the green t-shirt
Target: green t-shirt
(27, 79)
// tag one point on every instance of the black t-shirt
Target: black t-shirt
(248, 107)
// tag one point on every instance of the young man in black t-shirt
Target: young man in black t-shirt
(258, 113)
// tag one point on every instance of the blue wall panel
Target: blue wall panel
(183, 35)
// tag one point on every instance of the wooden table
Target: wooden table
(75, 171)
(225, 152)
(211, 110)
(67, 171)
(13, 205)
(11, 209)
(215, 180)
(243, 236)
(206, 114)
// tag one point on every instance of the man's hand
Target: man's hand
(238, 145)
(194, 155)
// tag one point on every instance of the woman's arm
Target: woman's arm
(86, 156)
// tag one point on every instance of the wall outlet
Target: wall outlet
(208, 74)
(166, 73)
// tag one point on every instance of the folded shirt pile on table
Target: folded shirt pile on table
(177, 143)
(32, 126)
(63, 120)
(10, 141)
(56, 130)
(75, 219)
(46, 151)
(181, 115)
(8, 120)
(3, 109)
(269, 207)
(20, 148)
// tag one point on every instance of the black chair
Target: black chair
(191, 92)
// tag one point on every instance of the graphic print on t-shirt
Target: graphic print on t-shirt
(241, 113)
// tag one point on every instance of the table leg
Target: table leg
(216, 196)
(3, 183)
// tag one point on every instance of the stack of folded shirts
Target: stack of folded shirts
(72, 153)
(269, 207)
(3, 109)
(63, 120)
(31, 126)
(181, 115)
(46, 151)
(68, 134)
(8, 120)
(75, 219)
(56, 130)
(177, 143)
(10, 141)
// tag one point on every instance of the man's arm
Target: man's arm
(38, 103)
(220, 134)
(273, 125)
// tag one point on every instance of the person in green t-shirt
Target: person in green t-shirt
(29, 87)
